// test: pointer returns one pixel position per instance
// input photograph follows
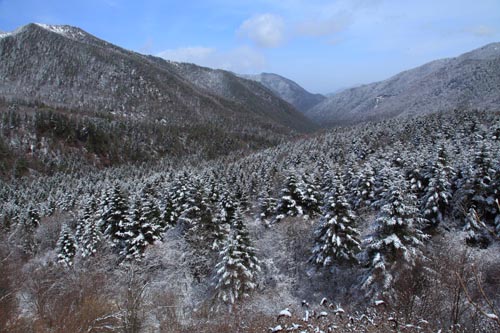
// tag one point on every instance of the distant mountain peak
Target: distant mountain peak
(470, 80)
(288, 90)
(64, 30)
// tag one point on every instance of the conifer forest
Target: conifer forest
(143, 194)
(383, 226)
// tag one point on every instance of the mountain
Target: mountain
(288, 90)
(68, 96)
(63, 66)
(468, 81)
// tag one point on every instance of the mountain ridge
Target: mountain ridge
(67, 67)
(465, 81)
(288, 90)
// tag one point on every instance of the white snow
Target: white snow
(492, 316)
(66, 31)
(5, 34)
(276, 329)
(285, 313)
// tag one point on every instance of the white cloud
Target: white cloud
(242, 59)
(323, 27)
(482, 31)
(266, 30)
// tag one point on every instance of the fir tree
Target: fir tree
(114, 217)
(337, 239)
(134, 239)
(237, 269)
(438, 192)
(397, 240)
(365, 187)
(150, 218)
(66, 247)
(312, 200)
(474, 229)
(484, 186)
(267, 204)
(219, 228)
(87, 232)
(291, 201)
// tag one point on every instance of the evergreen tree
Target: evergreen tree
(28, 228)
(397, 240)
(150, 218)
(484, 185)
(474, 229)
(438, 192)
(365, 187)
(291, 201)
(337, 239)
(237, 269)
(312, 200)
(114, 217)
(66, 247)
(134, 239)
(87, 232)
(219, 228)
(267, 204)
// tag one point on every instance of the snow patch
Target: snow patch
(5, 34)
(63, 30)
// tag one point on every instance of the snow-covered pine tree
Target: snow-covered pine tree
(438, 192)
(150, 218)
(337, 239)
(238, 266)
(484, 184)
(365, 187)
(28, 227)
(114, 217)
(133, 237)
(312, 200)
(291, 201)
(417, 181)
(87, 233)
(66, 247)
(397, 240)
(218, 230)
(475, 230)
(267, 204)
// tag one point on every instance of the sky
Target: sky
(322, 45)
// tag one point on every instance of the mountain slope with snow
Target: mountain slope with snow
(468, 81)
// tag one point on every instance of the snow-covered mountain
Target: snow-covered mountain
(288, 90)
(64, 66)
(471, 80)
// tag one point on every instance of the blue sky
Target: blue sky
(322, 45)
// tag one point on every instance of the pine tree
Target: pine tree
(365, 187)
(267, 204)
(87, 232)
(66, 247)
(28, 228)
(397, 240)
(312, 200)
(474, 229)
(134, 239)
(237, 269)
(337, 239)
(484, 186)
(114, 217)
(225, 210)
(438, 192)
(291, 201)
(150, 219)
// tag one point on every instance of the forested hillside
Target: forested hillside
(383, 226)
